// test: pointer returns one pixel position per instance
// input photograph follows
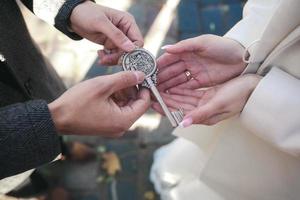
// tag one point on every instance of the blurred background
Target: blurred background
(106, 169)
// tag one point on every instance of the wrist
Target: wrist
(253, 80)
(73, 19)
(58, 117)
(63, 18)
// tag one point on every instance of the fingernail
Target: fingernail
(128, 46)
(186, 122)
(140, 76)
(166, 47)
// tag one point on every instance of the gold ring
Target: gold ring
(188, 75)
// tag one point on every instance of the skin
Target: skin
(210, 59)
(212, 105)
(106, 105)
(217, 91)
(90, 107)
(117, 31)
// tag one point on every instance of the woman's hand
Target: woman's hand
(212, 105)
(210, 59)
(114, 29)
(93, 108)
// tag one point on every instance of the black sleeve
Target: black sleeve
(62, 19)
(28, 137)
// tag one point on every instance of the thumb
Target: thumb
(183, 46)
(117, 37)
(124, 80)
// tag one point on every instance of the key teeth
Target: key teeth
(181, 113)
(178, 116)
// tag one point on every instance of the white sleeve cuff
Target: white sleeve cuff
(273, 111)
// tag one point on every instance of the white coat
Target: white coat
(254, 156)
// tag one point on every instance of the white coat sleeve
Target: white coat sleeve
(273, 111)
(256, 15)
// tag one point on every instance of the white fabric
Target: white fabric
(252, 157)
(189, 162)
(256, 15)
(47, 9)
(240, 166)
(267, 112)
(9, 183)
(280, 48)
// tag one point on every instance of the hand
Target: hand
(90, 108)
(210, 59)
(114, 29)
(212, 105)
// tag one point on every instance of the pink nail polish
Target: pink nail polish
(166, 47)
(186, 122)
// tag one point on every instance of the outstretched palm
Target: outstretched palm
(209, 106)
(210, 59)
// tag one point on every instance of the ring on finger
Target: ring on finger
(188, 75)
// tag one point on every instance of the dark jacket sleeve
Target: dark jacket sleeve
(62, 19)
(28, 137)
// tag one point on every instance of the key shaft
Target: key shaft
(161, 102)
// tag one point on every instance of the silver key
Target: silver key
(142, 60)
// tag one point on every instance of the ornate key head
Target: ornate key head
(141, 60)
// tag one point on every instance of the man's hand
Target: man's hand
(210, 59)
(90, 108)
(212, 105)
(114, 29)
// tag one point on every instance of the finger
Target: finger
(193, 101)
(109, 59)
(184, 46)
(124, 80)
(139, 43)
(199, 115)
(187, 92)
(173, 82)
(195, 97)
(128, 26)
(117, 37)
(171, 71)
(166, 60)
(135, 34)
(170, 102)
(156, 106)
(125, 96)
(139, 107)
(191, 84)
(109, 44)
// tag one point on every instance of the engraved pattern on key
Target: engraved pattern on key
(142, 60)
